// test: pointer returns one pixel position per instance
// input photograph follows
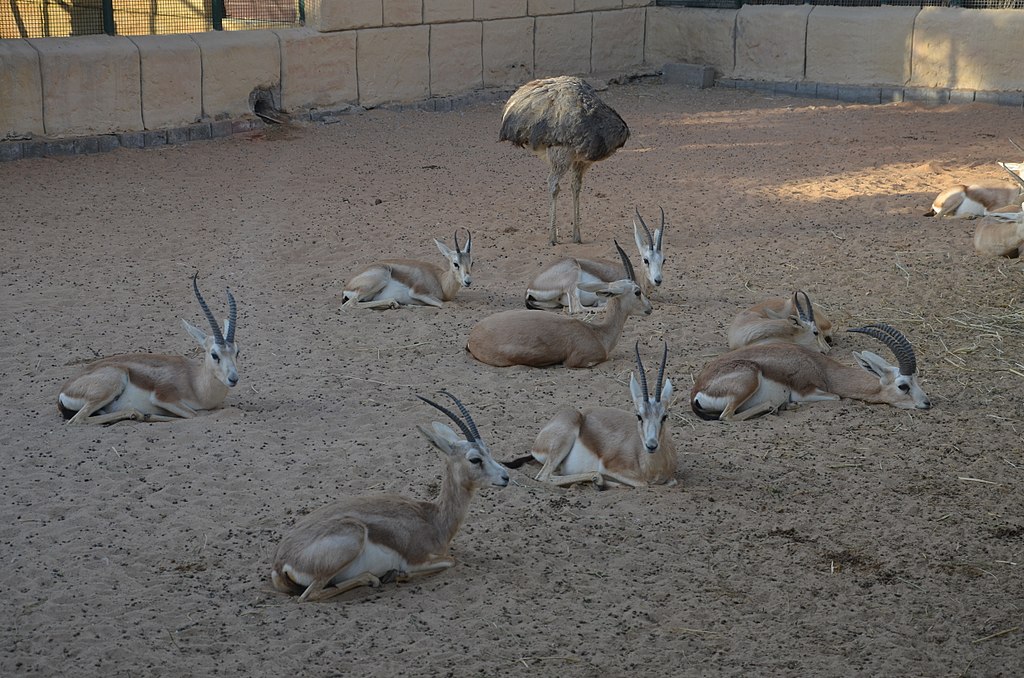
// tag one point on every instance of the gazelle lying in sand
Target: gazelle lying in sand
(605, 445)
(362, 541)
(151, 387)
(781, 319)
(541, 339)
(396, 282)
(759, 379)
(1001, 233)
(557, 284)
(973, 201)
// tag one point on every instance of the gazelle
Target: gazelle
(781, 319)
(557, 284)
(395, 282)
(759, 379)
(362, 541)
(973, 200)
(978, 201)
(540, 339)
(605, 445)
(1001, 233)
(150, 387)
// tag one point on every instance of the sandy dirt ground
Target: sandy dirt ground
(831, 539)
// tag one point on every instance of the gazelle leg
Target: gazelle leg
(376, 303)
(317, 591)
(427, 300)
(121, 415)
(562, 481)
(430, 567)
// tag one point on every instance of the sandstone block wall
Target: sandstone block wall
(374, 52)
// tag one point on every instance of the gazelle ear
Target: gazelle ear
(640, 237)
(440, 436)
(666, 392)
(777, 315)
(445, 250)
(196, 333)
(876, 365)
(595, 288)
(636, 390)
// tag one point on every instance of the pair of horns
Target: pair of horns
(661, 229)
(232, 315)
(469, 240)
(643, 374)
(807, 315)
(897, 343)
(468, 427)
(626, 263)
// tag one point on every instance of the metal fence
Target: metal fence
(736, 4)
(52, 18)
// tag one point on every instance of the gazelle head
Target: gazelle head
(471, 455)
(221, 352)
(805, 318)
(899, 384)
(651, 409)
(628, 291)
(460, 260)
(649, 246)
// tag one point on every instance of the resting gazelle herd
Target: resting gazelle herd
(776, 357)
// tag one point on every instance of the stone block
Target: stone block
(595, 5)
(1015, 99)
(968, 49)
(393, 65)
(806, 89)
(562, 45)
(827, 91)
(859, 46)
(91, 84)
(60, 148)
(154, 137)
(199, 131)
(107, 142)
(403, 12)
(498, 9)
(688, 75)
(770, 41)
(172, 79)
(618, 40)
(440, 11)
(177, 135)
(961, 96)
(786, 89)
(535, 7)
(318, 70)
(859, 94)
(11, 150)
(637, 3)
(931, 95)
(33, 149)
(693, 36)
(221, 128)
(234, 64)
(456, 61)
(21, 90)
(131, 139)
(87, 145)
(507, 52)
(344, 15)
(890, 95)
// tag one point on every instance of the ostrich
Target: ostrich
(562, 120)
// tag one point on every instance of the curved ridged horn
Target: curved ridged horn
(661, 374)
(465, 414)
(640, 368)
(457, 248)
(1016, 177)
(451, 415)
(232, 317)
(801, 313)
(469, 239)
(627, 264)
(807, 315)
(894, 339)
(218, 337)
(650, 238)
(661, 229)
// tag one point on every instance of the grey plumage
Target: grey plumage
(563, 120)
